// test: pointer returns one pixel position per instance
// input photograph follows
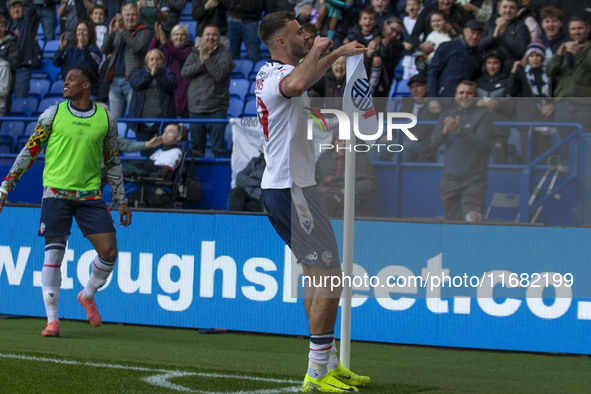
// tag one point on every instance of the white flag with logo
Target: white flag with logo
(357, 101)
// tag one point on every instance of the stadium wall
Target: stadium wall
(232, 272)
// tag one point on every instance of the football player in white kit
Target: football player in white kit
(289, 193)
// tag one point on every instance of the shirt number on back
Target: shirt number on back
(263, 116)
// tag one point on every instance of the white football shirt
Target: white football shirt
(169, 158)
(289, 155)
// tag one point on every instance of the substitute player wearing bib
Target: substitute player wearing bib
(77, 134)
(289, 193)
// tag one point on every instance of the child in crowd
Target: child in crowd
(367, 32)
(440, 34)
(412, 10)
(531, 80)
(97, 16)
(334, 10)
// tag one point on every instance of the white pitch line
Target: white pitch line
(161, 379)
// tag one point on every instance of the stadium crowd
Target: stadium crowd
(174, 58)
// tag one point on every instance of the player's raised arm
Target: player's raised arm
(314, 66)
(289, 44)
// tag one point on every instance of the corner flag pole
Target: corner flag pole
(356, 86)
(356, 100)
(347, 266)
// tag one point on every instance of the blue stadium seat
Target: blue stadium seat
(243, 52)
(24, 106)
(235, 108)
(50, 48)
(30, 128)
(186, 13)
(264, 51)
(402, 89)
(229, 137)
(122, 127)
(39, 88)
(12, 129)
(48, 102)
(131, 155)
(130, 134)
(53, 71)
(398, 71)
(191, 26)
(22, 140)
(250, 108)
(257, 66)
(57, 88)
(243, 68)
(6, 144)
(239, 88)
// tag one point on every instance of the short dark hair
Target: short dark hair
(369, 11)
(578, 18)
(467, 82)
(273, 23)
(97, 6)
(550, 12)
(512, 1)
(211, 25)
(88, 74)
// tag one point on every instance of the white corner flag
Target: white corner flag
(357, 101)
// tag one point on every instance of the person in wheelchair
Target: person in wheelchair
(163, 162)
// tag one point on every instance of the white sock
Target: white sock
(101, 269)
(374, 78)
(320, 347)
(51, 277)
(333, 360)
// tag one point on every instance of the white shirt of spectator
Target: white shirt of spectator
(289, 155)
(169, 158)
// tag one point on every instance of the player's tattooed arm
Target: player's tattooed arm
(31, 151)
(113, 162)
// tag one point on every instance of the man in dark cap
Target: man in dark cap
(453, 62)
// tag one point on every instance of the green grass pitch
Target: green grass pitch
(137, 359)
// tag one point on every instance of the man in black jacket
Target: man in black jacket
(208, 13)
(466, 132)
(507, 33)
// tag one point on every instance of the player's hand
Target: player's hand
(3, 197)
(322, 43)
(124, 215)
(352, 48)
